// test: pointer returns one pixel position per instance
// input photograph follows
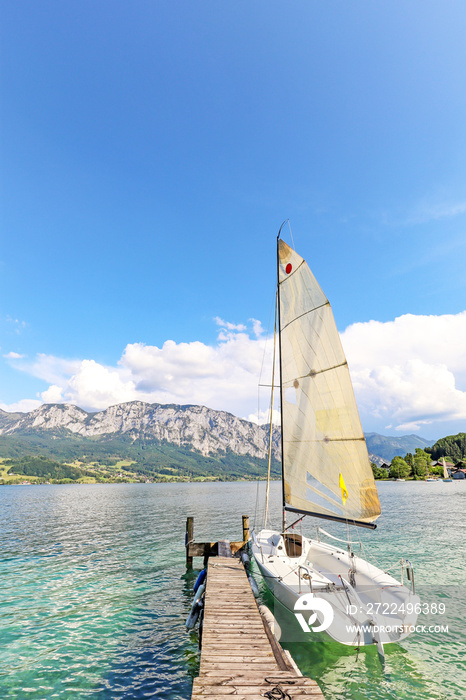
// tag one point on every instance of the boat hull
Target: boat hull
(373, 609)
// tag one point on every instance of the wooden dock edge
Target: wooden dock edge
(281, 656)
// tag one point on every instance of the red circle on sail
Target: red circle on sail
(288, 268)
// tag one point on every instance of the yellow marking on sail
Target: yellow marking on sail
(344, 490)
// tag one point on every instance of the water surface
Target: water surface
(95, 592)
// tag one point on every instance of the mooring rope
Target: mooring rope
(277, 693)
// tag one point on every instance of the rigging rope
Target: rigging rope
(273, 306)
(291, 234)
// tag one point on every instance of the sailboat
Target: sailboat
(446, 475)
(326, 473)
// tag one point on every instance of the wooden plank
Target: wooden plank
(236, 641)
(254, 689)
(249, 626)
(240, 658)
(249, 635)
(214, 621)
(233, 643)
(236, 588)
(246, 636)
(225, 676)
(263, 669)
(231, 608)
(229, 667)
(257, 696)
(238, 648)
(245, 642)
(249, 690)
(282, 678)
(231, 615)
(219, 599)
(228, 632)
(226, 593)
(237, 601)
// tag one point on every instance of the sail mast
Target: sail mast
(280, 376)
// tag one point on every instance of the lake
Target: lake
(95, 592)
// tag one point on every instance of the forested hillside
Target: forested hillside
(452, 447)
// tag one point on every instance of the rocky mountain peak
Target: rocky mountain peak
(196, 427)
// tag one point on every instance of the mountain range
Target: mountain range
(160, 440)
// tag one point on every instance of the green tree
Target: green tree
(399, 469)
(409, 459)
(421, 463)
(379, 472)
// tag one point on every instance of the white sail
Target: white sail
(446, 475)
(326, 468)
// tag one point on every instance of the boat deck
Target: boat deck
(239, 654)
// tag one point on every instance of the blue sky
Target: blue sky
(150, 152)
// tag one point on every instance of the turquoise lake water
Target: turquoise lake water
(95, 594)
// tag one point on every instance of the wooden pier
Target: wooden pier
(211, 549)
(240, 656)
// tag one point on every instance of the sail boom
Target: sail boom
(335, 518)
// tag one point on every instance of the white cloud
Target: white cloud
(409, 374)
(91, 386)
(409, 371)
(96, 387)
(223, 376)
(54, 370)
(229, 326)
(263, 417)
(13, 356)
(256, 327)
(23, 406)
(53, 394)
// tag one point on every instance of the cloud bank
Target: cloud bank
(222, 376)
(408, 374)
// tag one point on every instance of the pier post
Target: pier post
(189, 537)
(245, 528)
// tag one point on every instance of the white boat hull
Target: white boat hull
(373, 608)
